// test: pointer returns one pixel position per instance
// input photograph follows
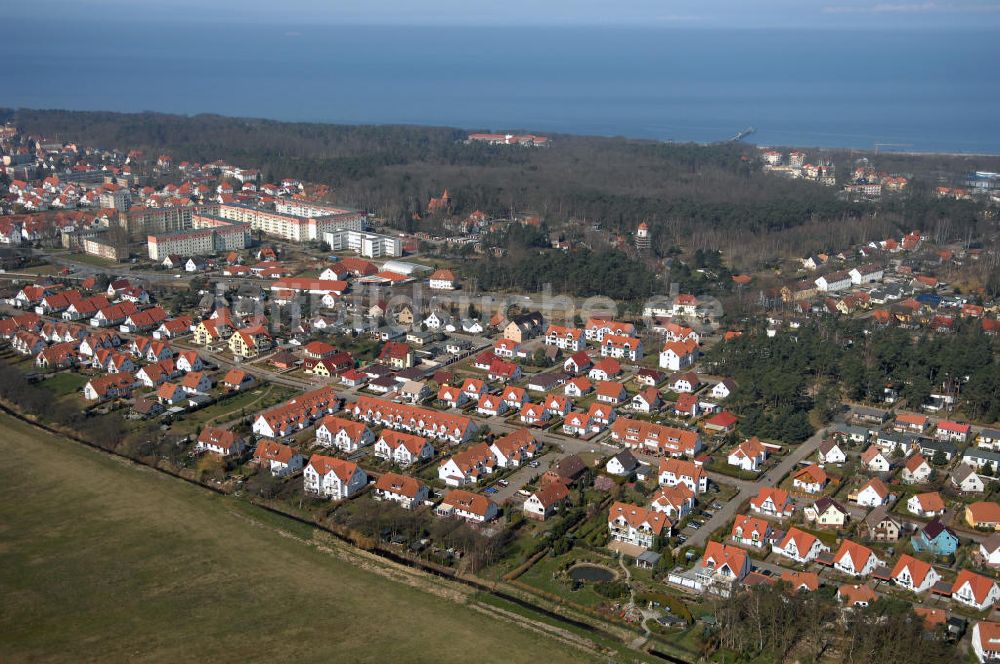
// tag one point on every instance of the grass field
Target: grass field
(102, 560)
(65, 383)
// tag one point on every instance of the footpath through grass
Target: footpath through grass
(102, 560)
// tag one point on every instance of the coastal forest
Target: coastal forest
(708, 197)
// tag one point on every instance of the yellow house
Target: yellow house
(249, 342)
(405, 315)
(983, 515)
(207, 332)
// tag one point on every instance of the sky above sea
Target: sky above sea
(918, 89)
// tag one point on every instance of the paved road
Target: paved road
(749, 489)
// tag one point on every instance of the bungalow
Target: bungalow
(954, 431)
(830, 452)
(723, 422)
(220, 442)
(402, 448)
(612, 392)
(237, 380)
(280, 459)
(980, 458)
(637, 525)
(935, 538)
(333, 478)
(467, 505)
(810, 479)
(926, 504)
(977, 591)
(685, 382)
(916, 470)
(751, 531)
(196, 382)
(855, 559)
(911, 423)
(407, 492)
(983, 515)
(773, 502)
(913, 574)
(675, 471)
(545, 501)
(856, 595)
(748, 455)
(170, 394)
(873, 493)
(800, 546)
(344, 434)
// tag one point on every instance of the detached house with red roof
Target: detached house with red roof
(468, 466)
(855, 559)
(975, 590)
(675, 471)
(469, 506)
(278, 458)
(577, 363)
(751, 531)
(800, 546)
(220, 442)
(748, 455)
(637, 525)
(721, 567)
(405, 491)
(913, 574)
(678, 355)
(402, 448)
(442, 280)
(956, 432)
(333, 478)
(544, 502)
(515, 448)
(343, 434)
(811, 479)
(773, 502)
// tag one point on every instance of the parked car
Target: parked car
(503, 483)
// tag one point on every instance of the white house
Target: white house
(402, 448)
(835, 281)
(544, 502)
(622, 464)
(800, 546)
(975, 590)
(830, 452)
(405, 491)
(873, 493)
(636, 525)
(676, 471)
(678, 355)
(855, 559)
(333, 478)
(343, 434)
(913, 574)
(279, 459)
(926, 504)
(467, 505)
(748, 455)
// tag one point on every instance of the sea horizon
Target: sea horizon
(839, 89)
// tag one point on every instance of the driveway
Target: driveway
(750, 489)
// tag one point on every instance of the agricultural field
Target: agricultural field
(103, 560)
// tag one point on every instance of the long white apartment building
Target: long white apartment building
(369, 245)
(207, 235)
(292, 227)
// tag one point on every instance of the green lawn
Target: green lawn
(65, 383)
(102, 560)
(251, 402)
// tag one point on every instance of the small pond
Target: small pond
(592, 573)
